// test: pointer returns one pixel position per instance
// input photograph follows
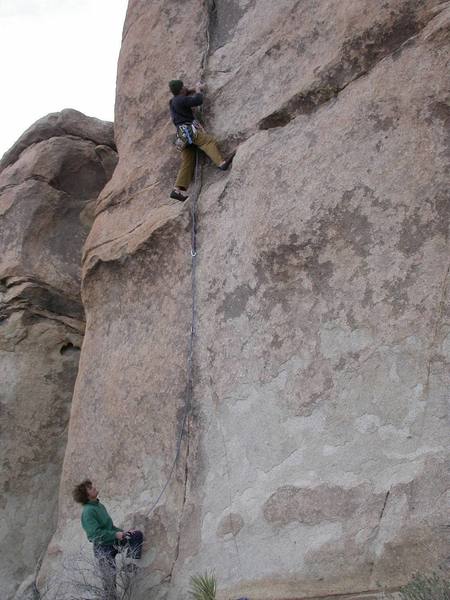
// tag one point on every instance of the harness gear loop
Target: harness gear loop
(186, 135)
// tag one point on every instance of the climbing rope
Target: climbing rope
(190, 361)
(190, 364)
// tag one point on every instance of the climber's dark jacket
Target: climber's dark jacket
(98, 524)
(181, 108)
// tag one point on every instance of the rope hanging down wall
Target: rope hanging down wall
(190, 361)
(210, 7)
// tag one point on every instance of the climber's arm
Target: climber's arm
(195, 100)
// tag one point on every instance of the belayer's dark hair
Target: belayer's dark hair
(80, 494)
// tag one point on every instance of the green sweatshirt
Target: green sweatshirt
(98, 524)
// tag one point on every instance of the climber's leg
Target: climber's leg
(186, 172)
(106, 556)
(208, 145)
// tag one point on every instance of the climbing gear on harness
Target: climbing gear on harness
(186, 135)
(176, 195)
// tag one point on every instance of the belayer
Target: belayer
(108, 540)
(190, 135)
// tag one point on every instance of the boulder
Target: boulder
(68, 122)
(48, 185)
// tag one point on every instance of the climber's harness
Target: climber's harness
(186, 135)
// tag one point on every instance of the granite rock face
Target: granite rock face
(314, 460)
(48, 183)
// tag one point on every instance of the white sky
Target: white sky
(57, 54)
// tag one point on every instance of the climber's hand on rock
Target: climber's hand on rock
(199, 86)
(120, 535)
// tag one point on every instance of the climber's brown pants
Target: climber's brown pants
(207, 144)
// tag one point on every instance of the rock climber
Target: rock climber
(108, 540)
(190, 134)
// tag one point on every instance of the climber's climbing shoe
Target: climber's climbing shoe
(177, 195)
(224, 166)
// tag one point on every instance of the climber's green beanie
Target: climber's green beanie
(176, 85)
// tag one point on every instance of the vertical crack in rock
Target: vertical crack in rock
(168, 577)
(210, 11)
(384, 507)
(374, 536)
(211, 15)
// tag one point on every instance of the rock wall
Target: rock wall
(48, 182)
(313, 463)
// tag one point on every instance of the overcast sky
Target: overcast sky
(57, 54)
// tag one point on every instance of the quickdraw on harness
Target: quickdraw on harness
(186, 135)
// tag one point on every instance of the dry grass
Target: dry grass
(81, 577)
